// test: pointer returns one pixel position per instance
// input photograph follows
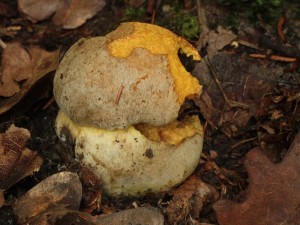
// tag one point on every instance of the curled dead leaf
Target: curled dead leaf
(69, 14)
(189, 198)
(273, 193)
(16, 161)
(61, 190)
(14, 60)
(91, 199)
(21, 68)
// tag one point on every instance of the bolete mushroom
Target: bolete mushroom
(119, 97)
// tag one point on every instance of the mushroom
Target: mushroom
(119, 97)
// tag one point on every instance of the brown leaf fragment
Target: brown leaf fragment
(59, 215)
(69, 14)
(139, 215)
(16, 161)
(59, 189)
(16, 67)
(189, 198)
(39, 10)
(273, 193)
(21, 68)
(216, 40)
(92, 191)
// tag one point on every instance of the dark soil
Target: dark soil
(34, 114)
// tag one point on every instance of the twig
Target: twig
(10, 31)
(243, 142)
(274, 57)
(201, 17)
(153, 16)
(50, 102)
(2, 44)
(248, 44)
(203, 23)
(229, 102)
(291, 98)
(280, 24)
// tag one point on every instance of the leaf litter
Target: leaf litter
(273, 193)
(21, 68)
(16, 161)
(69, 14)
(268, 89)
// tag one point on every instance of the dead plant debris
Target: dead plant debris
(16, 161)
(272, 188)
(21, 68)
(250, 100)
(68, 14)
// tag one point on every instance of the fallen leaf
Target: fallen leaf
(92, 190)
(59, 189)
(189, 198)
(273, 192)
(216, 40)
(16, 161)
(69, 14)
(21, 68)
(140, 215)
(59, 215)
(14, 60)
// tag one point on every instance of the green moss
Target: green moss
(134, 14)
(182, 23)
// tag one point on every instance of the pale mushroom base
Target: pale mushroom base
(127, 162)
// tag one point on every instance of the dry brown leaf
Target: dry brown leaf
(16, 161)
(21, 68)
(91, 200)
(59, 215)
(59, 189)
(216, 40)
(189, 198)
(69, 14)
(273, 193)
(14, 60)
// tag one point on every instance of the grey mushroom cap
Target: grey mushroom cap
(94, 88)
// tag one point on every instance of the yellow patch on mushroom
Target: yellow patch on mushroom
(173, 133)
(158, 40)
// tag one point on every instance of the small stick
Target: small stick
(280, 24)
(119, 94)
(243, 142)
(153, 16)
(50, 102)
(248, 44)
(2, 44)
(274, 57)
(229, 102)
(291, 98)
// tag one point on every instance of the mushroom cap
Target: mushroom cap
(132, 75)
(130, 164)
